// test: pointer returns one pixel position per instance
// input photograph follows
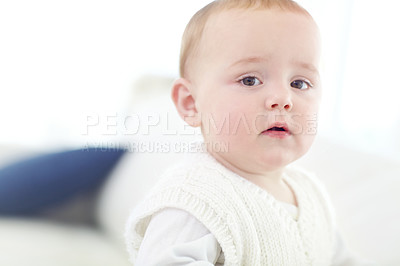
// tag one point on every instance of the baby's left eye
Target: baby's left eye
(300, 84)
(250, 81)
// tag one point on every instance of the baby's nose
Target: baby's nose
(286, 106)
(279, 101)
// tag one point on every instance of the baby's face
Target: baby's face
(257, 88)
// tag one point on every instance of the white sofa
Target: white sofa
(364, 189)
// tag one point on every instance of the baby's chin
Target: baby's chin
(273, 163)
(271, 158)
(269, 161)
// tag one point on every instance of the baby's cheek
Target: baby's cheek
(215, 124)
(312, 125)
(304, 118)
(298, 124)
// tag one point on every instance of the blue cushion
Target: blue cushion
(31, 185)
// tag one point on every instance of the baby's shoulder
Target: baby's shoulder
(310, 182)
(307, 180)
(191, 174)
(195, 166)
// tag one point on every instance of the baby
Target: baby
(250, 80)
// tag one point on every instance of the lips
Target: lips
(277, 130)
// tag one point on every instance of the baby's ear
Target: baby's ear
(185, 102)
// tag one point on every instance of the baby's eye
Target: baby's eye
(250, 81)
(300, 84)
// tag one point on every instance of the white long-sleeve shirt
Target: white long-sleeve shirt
(174, 237)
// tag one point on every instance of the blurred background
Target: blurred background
(63, 63)
(80, 74)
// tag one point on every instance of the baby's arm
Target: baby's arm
(174, 237)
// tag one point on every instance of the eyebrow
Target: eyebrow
(307, 66)
(250, 60)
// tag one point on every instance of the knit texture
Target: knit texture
(251, 226)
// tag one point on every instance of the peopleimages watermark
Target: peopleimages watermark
(160, 146)
(166, 124)
(135, 124)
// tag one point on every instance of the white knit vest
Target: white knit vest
(252, 228)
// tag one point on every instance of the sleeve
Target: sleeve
(174, 237)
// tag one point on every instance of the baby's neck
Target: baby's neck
(270, 181)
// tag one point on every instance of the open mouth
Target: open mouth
(277, 130)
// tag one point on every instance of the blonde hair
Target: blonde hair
(194, 29)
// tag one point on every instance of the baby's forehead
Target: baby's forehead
(249, 23)
(211, 28)
(235, 17)
(232, 35)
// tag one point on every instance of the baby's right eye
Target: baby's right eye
(250, 81)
